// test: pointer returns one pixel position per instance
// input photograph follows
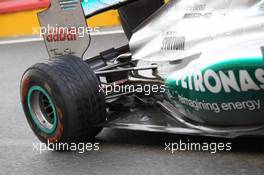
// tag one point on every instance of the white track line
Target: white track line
(34, 39)
(21, 40)
(107, 33)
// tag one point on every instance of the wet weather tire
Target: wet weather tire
(62, 101)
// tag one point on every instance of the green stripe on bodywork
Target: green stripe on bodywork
(249, 64)
(175, 92)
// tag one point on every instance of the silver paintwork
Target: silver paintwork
(204, 31)
(183, 31)
(216, 29)
(68, 14)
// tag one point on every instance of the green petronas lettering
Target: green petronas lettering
(260, 77)
(229, 81)
(246, 82)
(198, 82)
(212, 75)
(183, 82)
(226, 81)
(190, 83)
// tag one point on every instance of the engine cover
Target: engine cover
(216, 48)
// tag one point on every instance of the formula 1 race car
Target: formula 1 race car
(191, 67)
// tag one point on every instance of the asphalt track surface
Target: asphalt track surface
(121, 152)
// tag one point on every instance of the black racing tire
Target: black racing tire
(62, 101)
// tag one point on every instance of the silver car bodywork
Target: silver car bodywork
(223, 37)
(198, 41)
(181, 29)
(64, 28)
(192, 43)
(210, 30)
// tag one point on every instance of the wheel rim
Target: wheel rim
(42, 109)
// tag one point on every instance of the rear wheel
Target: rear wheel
(61, 100)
